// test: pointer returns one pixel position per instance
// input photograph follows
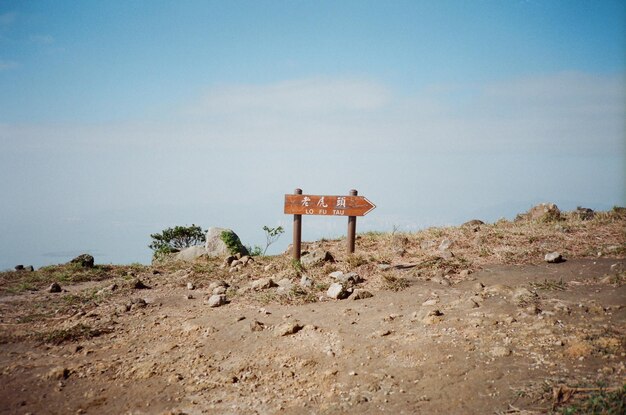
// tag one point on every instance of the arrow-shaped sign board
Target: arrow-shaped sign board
(327, 205)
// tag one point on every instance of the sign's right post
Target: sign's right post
(352, 227)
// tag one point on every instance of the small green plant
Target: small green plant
(176, 238)
(297, 266)
(256, 251)
(233, 243)
(271, 236)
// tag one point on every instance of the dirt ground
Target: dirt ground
(440, 334)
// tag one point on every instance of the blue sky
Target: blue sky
(118, 118)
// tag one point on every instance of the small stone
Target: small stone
(336, 275)
(190, 286)
(219, 290)
(268, 268)
(435, 313)
(216, 300)
(288, 328)
(500, 351)
(189, 296)
(337, 291)
(54, 288)
(306, 282)
(553, 258)
(361, 294)
(58, 373)
(19, 267)
(262, 284)
(257, 326)
(465, 273)
(137, 284)
(430, 302)
(445, 244)
(384, 267)
(216, 284)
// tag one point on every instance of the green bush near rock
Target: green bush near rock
(174, 239)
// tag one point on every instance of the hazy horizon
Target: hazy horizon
(120, 119)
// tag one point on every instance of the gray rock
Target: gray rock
(215, 246)
(190, 286)
(384, 267)
(19, 267)
(306, 282)
(285, 283)
(262, 284)
(219, 290)
(54, 288)
(216, 284)
(190, 254)
(445, 244)
(337, 291)
(85, 261)
(29, 268)
(316, 257)
(553, 258)
(216, 300)
(336, 275)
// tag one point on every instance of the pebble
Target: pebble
(553, 258)
(54, 288)
(216, 300)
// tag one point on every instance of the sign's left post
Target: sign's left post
(297, 232)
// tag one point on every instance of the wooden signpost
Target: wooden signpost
(351, 206)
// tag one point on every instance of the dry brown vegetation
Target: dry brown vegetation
(466, 318)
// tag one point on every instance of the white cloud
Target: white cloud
(563, 113)
(316, 95)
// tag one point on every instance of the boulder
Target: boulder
(85, 261)
(216, 246)
(190, 254)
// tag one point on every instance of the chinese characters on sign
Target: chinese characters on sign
(327, 205)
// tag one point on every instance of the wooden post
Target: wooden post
(297, 232)
(352, 227)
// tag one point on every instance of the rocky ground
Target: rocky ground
(468, 319)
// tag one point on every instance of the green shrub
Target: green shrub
(233, 243)
(176, 238)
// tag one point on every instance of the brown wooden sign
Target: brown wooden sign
(327, 205)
